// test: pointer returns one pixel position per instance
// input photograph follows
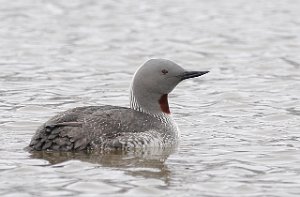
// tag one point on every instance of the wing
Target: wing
(65, 131)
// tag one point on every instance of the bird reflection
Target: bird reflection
(146, 163)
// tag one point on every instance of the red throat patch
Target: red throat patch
(164, 105)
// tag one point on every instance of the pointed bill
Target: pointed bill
(192, 74)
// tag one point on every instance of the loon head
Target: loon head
(152, 83)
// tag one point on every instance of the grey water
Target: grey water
(240, 124)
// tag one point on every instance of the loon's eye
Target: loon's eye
(164, 71)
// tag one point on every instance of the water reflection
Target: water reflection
(145, 163)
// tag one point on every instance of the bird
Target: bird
(147, 123)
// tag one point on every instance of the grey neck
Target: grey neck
(146, 102)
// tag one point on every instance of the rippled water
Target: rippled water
(240, 123)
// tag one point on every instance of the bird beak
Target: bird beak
(191, 74)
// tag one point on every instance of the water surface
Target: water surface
(239, 123)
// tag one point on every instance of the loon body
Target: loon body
(147, 123)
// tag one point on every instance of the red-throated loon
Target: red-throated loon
(147, 123)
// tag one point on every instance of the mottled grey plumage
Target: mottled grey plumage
(102, 128)
(147, 123)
